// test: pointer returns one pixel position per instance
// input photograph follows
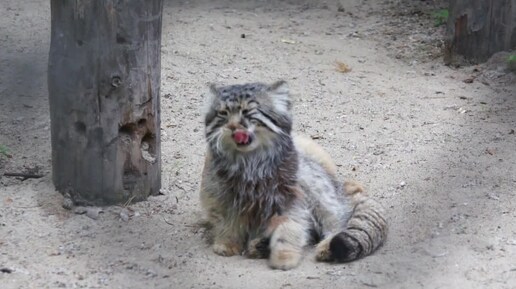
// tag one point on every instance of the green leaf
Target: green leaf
(441, 17)
(511, 62)
(4, 150)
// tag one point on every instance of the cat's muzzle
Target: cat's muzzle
(242, 137)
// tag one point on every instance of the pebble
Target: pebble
(93, 212)
(67, 203)
(124, 215)
(435, 253)
(492, 196)
(511, 242)
(334, 273)
(79, 210)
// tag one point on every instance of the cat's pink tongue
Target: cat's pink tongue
(241, 137)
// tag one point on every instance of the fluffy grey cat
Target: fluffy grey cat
(269, 194)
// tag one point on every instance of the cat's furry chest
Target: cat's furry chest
(256, 197)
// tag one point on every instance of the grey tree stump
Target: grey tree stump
(478, 28)
(104, 82)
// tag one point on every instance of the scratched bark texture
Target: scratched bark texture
(104, 82)
(479, 28)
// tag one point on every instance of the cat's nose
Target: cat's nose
(233, 126)
(234, 123)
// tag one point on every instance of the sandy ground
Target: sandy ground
(436, 145)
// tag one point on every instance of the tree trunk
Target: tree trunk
(479, 28)
(103, 82)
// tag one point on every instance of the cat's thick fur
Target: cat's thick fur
(268, 194)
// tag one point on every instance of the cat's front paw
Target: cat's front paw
(284, 259)
(258, 248)
(227, 249)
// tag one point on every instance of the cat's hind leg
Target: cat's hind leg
(288, 240)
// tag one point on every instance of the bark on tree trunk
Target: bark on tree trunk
(104, 81)
(479, 28)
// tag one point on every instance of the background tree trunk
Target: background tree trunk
(104, 81)
(479, 28)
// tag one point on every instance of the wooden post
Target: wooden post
(103, 82)
(479, 28)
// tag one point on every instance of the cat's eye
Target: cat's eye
(222, 113)
(245, 111)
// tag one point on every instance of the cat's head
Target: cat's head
(249, 117)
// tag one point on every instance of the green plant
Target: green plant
(511, 61)
(4, 150)
(441, 17)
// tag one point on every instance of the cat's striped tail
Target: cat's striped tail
(366, 229)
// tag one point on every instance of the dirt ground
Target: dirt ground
(436, 145)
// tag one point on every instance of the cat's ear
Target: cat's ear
(210, 99)
(214, 92)
(279, 94)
